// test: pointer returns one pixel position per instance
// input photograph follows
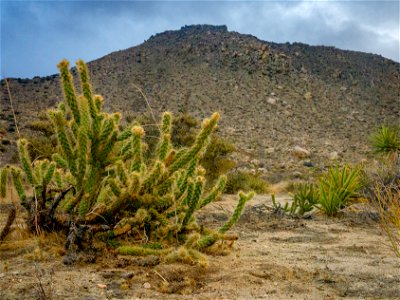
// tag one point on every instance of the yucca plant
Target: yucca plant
(386, 140)
(337, 187)
(98, 180)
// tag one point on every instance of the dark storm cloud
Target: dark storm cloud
(36, 35)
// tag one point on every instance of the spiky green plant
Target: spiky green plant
(386, 140)
(305, 198)
(337, 186)
(101, 179)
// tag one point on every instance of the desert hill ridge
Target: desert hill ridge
(272, 97)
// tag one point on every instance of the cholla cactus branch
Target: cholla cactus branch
(25, 160)
(215, 192)
(238, 211)
(69, 91)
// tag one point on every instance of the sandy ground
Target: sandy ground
(276, 257)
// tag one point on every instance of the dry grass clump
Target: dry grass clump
(388, 205)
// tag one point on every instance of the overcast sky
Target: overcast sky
(36, 35)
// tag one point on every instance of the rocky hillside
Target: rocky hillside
(273, 98)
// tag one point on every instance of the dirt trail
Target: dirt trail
(276, 257)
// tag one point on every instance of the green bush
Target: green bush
(245, 181)
(337, 187)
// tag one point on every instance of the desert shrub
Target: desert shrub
(216, 158)
(44, 126)
(98, 184)
(41, 138)
(337, 187)
(184, 130)
(40, 146)
(388, 200)
(246, 181)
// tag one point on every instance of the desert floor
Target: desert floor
(276, 257)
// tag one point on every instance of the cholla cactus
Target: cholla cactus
(99, 176)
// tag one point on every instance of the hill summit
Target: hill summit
(286, 106)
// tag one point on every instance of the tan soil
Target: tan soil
(276, 257)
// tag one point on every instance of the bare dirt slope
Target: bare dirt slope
(275, 258)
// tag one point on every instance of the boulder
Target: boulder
(300, 152)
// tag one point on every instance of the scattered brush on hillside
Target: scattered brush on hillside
(98, 183)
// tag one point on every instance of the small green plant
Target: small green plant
(337, 187)
(386, 140)
(245, 181)
(305, 198)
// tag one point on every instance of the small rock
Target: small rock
(300, 152)
(287, 113)
(148, 261)
(108, 275)
(296, 174)
(70, 259)
(147, 285)
(308, 96)
(308, 164)
(101, 286)
(334, 155)
(127, 275)
(271, 101)
(270, 150)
